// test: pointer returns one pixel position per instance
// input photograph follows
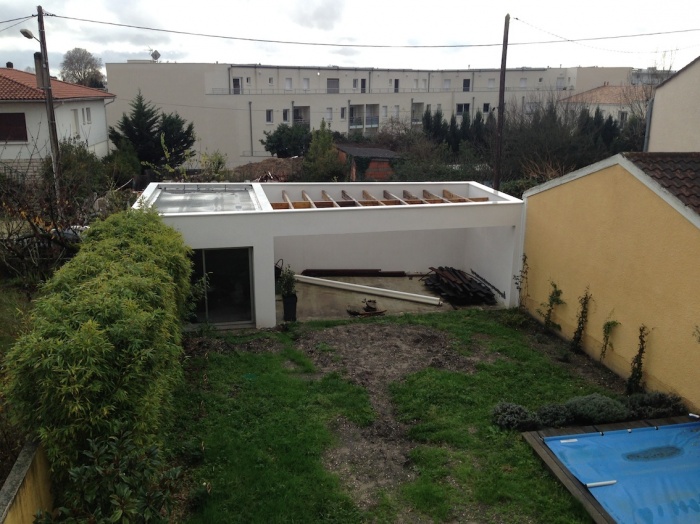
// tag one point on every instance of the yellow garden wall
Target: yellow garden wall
(640, 259)
(28, 487)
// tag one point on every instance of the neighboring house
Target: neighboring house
(24, 136)
(232, 105)
(628, 230)
(676, 112)
(367, 163)
(239, 231)
(617, 101)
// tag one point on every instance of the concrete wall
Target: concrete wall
(27, 488)
(676, 113)
(638, 256)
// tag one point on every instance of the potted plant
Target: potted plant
(288, 290)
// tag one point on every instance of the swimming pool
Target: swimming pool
(648, 475)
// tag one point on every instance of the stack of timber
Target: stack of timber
(458, 288)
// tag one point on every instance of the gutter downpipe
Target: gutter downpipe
(380, 292)
(650, 110)
(250, 119)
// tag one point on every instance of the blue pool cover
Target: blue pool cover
(643, 475)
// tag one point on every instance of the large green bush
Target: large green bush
(103, 354)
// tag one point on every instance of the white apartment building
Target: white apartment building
(232, 105)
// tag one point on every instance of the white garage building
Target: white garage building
(240, 230)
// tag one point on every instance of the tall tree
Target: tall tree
(159, 140)
(79, 66)
(321, 163)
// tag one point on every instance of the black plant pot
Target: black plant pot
(289, 306)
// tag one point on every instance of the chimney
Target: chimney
(9, 65)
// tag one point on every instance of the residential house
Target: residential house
(618, 101)
(627, 229)
(24, 136)
(676, 112)
(233, 105)
(367, 163)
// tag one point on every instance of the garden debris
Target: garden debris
(459, 288)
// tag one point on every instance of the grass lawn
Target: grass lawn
(262, 414)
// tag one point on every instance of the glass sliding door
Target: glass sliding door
(228, 297)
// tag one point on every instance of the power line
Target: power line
(374, 46)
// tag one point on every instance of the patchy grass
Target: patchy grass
(263, 414)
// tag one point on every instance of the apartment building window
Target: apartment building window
(285, 115)
(491, 83)
(363, 85)
(268, 116)
(427, 108)
(523, 82)
(396, 85)
(462, 109)
(305, 84)
(439, 107)
(329, 114)
(396, 111)
(333, 85)
(288, 84)
(385, 111)
(540, 80)
(87, 118)
(560, 83)
(425, 84)
(487, 108)
(342, 113)
(446, 84)
(415, 83)
(466, 84)
(236, 86)
(13, 127)
(355, 83)
(271, 81)
(247, 80)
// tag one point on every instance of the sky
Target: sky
(360, 33)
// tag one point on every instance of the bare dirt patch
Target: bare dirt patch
(373, 459)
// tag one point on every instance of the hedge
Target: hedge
(103, 354)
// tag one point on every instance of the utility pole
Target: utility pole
(501, 107)
(48, 97)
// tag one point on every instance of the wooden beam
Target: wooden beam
(410, 196)
(306, 197)
(348, 196)
(329, 198)
(452, 197)
(392, 196)
(427, 194)
(288, 200)
(368, 196)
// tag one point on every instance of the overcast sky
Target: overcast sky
(478, 25)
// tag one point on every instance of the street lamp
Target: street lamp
(41, 64)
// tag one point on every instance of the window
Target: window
(13, 127)
(491, 83)
(354, 83)
(385, 111)
(87, 118)
(76, 123)
(271, 81)
(462, 109)
(288, 84)
(446, 83)
(415, 83)
(396, 111)
(540, 80)
(329, 114)
(622, 117)
(236, 86)
(305, 84)
(439, 107)
(396, 85)
(333, 85)
(425, 84)
(342, 113)
(247, 80)
(285, 115)
(268, 116)
(363, 85)
(560, 83)
(487, 108)
(523, 82)
(466, 84)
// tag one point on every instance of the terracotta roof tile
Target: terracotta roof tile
(21, 86)
(367, 152)
(609, 95)
(678, 173)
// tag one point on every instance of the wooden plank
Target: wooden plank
(368, 196)
(326, 196)
(306, 197)
(287, 199)
(348, 196)
(302, 204)
(452, 197)
(413, 198)
(279, 205)
(390, 196)
(571, 483)
(430, 196)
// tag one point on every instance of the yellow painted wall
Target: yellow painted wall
(641, 261)
(34, 492)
